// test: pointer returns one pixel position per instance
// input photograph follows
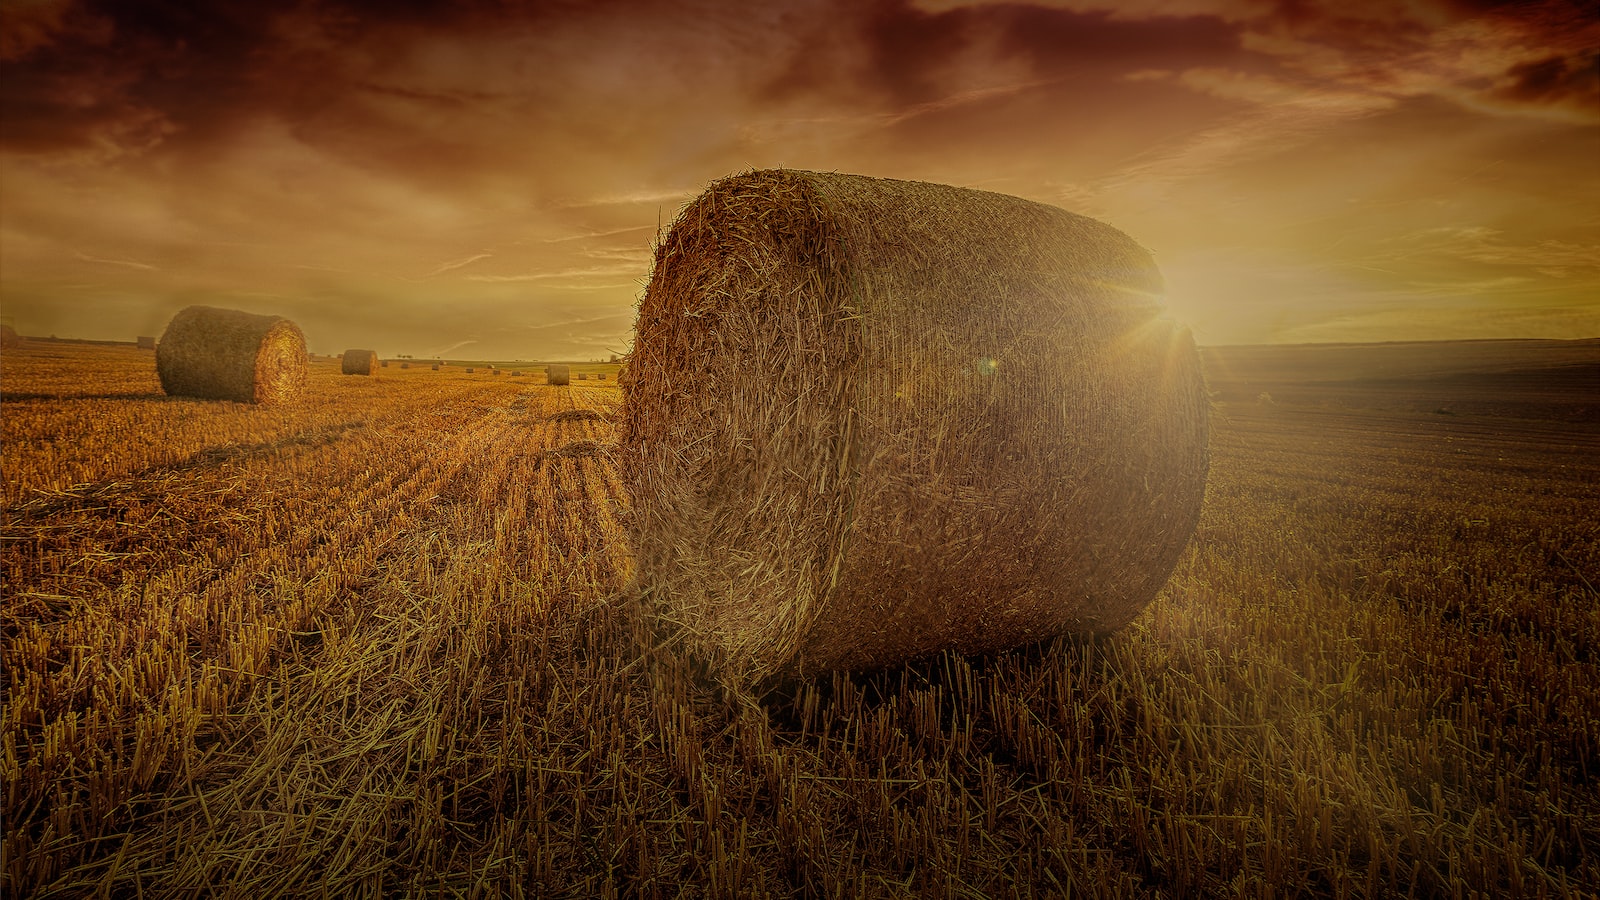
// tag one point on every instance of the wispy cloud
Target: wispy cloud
(554, 276)
(457, 264)
(125, 263)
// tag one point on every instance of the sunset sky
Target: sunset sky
(486, 180)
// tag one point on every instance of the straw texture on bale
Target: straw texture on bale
(557, 374)
(228, 354)
(867, 420)
(146, 342)
(359, 362)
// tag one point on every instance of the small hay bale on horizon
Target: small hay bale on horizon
(358, 362)
(145, 342)
(557, 374)
(980, 430)
(229, 354)
(405, 365)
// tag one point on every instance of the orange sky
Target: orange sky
(487, 182)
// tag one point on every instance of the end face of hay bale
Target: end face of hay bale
(146, 342)
(867, 420)
(228, 354)
(359, 362)
(557, 374)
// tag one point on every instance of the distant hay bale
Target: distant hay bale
(385, 364)
(581, 376)
(516, 373)
(147, 342)
(600, 376)
(9, 337)
(494, 371)
(557, 374)
(227, 354)
(405, 365)
(359, 362)
(868, 420)
(436, 367)
(470, 370)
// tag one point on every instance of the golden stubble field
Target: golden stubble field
(380, 644)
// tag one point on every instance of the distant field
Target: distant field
(380, 643)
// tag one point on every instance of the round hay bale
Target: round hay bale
(359, 362)
(556, 374)
(581, 376)
(385, 364)
(146, 342)
(9, 337)
(494, 371)
(436, 367)
(516, 373)
(470, 370)
(228, 354)
(405, 365)
(869, 420)
(600, 376)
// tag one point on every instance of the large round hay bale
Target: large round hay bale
(557, 374)
(867, 420)
(227, 354)
(9, 337)
(146, 342)
(359, 362)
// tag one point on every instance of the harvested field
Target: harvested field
(381, 644)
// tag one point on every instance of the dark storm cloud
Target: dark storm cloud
(1555, 81)
(893, 50)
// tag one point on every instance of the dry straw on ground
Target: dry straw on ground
(146, 342)
(578, 415)
(866, 420)
(227, 354)
(557, 374)
(359, 362)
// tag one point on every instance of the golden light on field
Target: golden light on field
(486, 180)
